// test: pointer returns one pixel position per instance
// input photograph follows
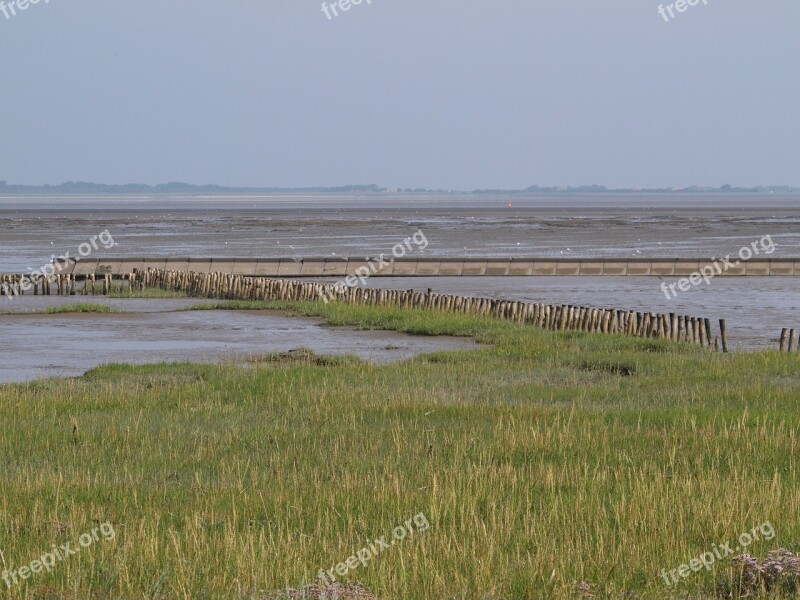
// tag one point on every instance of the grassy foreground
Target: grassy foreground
(540, 461)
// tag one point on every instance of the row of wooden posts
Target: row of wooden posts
(786, 343)
(670, 326)
(63, 284)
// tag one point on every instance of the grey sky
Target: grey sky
(432, 93)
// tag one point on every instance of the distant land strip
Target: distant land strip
(91, 188)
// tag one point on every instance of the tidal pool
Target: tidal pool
(159, 330)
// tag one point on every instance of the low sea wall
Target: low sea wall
(438, 267)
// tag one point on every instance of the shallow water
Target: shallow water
(32, 229)
(580, 225)
(755, 309)
(156, 330)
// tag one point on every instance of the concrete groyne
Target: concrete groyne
(438, 267)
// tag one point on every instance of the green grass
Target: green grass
(416, 322)
(85, 307)
(540, 460)
(151, 292)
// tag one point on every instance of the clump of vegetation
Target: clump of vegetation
(303, 356)
(778, 575)
(85, 307)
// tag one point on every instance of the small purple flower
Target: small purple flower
(778, 572)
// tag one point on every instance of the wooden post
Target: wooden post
(563, 320)
(791, 340)
(782, 346)
(723, 334)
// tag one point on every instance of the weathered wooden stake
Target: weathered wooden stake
(724, 334)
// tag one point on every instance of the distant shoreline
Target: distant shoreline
(179, 189)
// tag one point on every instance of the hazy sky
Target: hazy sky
(455, 94)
